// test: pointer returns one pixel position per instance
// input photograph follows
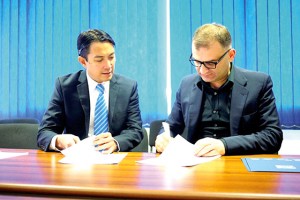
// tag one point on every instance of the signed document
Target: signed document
(179, 152)
(84, 152)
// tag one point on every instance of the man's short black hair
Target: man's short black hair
(86, 38)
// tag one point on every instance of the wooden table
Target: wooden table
(40, 175)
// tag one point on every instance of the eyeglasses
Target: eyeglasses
(208, 64)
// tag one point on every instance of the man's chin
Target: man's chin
(107, 77)
(207, 78)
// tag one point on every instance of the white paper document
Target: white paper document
(290, 147)
(179, 152)
(4, 155)
(84, 153)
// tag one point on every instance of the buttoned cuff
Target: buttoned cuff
(52, 144)
(118, 146)
(225, 145)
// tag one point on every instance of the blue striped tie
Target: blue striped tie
(100, 121)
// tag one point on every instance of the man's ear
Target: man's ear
(82, 60)
(232, 53)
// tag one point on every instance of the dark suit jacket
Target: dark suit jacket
(69, 111)
(254, 122)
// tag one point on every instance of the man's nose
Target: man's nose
(107, 63)
(202, 69)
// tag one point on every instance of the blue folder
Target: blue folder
(272, 164)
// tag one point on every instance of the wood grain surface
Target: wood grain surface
(41, 176)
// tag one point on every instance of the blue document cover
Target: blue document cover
(272, 164)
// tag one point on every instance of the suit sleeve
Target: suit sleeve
(175, 119)
(127, 124)
(259, 130)
(53, 118)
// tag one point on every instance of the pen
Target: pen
(167, 128)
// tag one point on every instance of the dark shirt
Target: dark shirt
(214, 120)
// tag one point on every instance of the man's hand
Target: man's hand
(105, 143)
(209, 147)
(66, 140)
(161, 142)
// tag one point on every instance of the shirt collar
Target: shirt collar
(230, 79)
(92, 83)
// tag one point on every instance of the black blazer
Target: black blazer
(254, 122)
(69, 111)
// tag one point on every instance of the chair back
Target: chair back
(19, 133)
(143, 146)
(19, 120)
(155, 127)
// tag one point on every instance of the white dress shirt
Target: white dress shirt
(94, 93)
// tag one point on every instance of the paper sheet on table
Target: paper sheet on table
(179, 152)
(4, 155)
(84, 153)
(290, 147)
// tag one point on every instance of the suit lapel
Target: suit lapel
(238, 99)
(113, 91)
(83, 94)
(194, 111)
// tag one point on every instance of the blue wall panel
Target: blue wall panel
(286, 62)
(180, 40)
(38, 44)
(5, 58)
(13, 54)
(22, 62)
(250, 35)
(274, 50)
(264, 35)
(295, 8)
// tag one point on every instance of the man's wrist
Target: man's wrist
(225, 145)
(117, 144)
(53, 144)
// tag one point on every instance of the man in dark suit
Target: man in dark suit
(70, 114)
(225, 110)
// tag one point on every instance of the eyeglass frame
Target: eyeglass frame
(192, 61)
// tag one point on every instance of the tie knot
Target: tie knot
(100, 88)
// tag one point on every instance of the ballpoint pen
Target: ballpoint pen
(167, 128)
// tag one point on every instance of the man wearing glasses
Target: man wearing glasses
(225, 110)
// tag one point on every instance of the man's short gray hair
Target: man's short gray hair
(208, 33)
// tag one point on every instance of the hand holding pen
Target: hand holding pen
(163, 139)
